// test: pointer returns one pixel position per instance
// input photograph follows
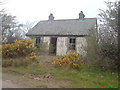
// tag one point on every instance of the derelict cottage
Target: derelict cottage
(63, 35)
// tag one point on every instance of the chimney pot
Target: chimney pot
(81, 15)
(51, 17)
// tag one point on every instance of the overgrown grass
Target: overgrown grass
(18, 62)
(84, 77)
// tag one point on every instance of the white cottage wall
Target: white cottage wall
(62, 46)
(81, 45)
(46, 40)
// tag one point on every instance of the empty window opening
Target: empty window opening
(38, 39)
(72, 43)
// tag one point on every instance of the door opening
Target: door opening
(53, 43)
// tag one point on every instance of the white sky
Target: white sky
(36, 10)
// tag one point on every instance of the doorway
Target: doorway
(53, 43)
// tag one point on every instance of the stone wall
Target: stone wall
(81, 45)
(62, 46)
(46, 41)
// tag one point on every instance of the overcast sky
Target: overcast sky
(36, 10)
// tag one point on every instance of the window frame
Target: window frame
(72, 43)
(38, 40)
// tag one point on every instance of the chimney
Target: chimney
(51, 17)
(81, 15)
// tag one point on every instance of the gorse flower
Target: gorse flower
(18, 48)
(70, 60)
(32, 56)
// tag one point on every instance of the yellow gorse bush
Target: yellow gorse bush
(70, 60)
(33, 56)
(18, 48)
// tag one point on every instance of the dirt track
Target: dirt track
(30, 81)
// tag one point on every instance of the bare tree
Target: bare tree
(108, 27)
(26, 27)
(108, 34)
(1, 12)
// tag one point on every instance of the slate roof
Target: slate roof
(63, 27)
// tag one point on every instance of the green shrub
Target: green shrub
(109, 57)
(102, 55)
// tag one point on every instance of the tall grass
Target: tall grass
(18, 62)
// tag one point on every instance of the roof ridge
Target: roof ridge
(67, 19)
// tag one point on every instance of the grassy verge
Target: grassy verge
(84, 77)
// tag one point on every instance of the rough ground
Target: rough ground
(10, 80)
(31, 81)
